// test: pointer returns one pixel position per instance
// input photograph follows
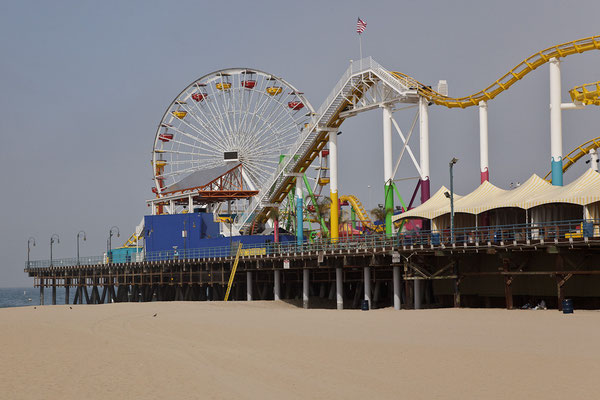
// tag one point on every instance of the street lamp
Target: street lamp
(51, 243)
(84, 239)
(28, 249)
(110, 235)
(451, 165)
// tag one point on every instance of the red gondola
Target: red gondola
(154, 190)
(165, 137)
(295, 105)
(199, 96)
(249, 84)
(310, 208)
(324, 153)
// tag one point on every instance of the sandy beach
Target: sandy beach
(277, 351)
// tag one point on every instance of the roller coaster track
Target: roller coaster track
(514, 75)
(361, 213)
(577, 154)
(353, 85)
(588, 94)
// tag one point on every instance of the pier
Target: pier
(479, 269)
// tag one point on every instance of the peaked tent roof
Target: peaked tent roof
(430, 207)
(534, 192)
(584, 190)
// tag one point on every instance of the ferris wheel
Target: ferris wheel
(223, 119)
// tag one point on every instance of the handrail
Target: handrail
(519, 233)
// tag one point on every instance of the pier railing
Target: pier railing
(499, 235)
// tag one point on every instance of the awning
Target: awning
(534, 192)
(430, 208)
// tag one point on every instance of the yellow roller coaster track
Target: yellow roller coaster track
(361, 213)
(587, 94)
(577, 153)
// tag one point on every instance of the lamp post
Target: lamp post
(84, 239)
(52, 243)
(28, 248)
(451, 164)
(110, 235)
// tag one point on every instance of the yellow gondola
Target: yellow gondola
(274, 90)
(160, 163)
(223, 85)
(180, 114)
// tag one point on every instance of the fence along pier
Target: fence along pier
(507, 273)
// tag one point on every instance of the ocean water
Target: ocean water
(28, 296)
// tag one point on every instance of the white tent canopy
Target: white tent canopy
(534, 192)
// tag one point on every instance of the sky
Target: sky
(84, 84)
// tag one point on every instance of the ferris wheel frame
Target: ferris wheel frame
(273, 106)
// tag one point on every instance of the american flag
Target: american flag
(360, 26)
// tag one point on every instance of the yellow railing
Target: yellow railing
(588, 94)
(577, 153)
(232, 276)
(511, 77)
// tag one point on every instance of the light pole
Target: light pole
(84, 239)
(370, 198)
(451, 164)
(110, 235)
(51, 243)
(28, 249)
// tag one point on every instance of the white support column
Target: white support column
(339, 288)
(333, 186)
(424, 148)
(367, 281)
(305, 287)
(190, 204)
(417, 290)
(171, 207)
(594, 159)
(396, 281)
(555, 122)
(277, 285)
(249, 285)
(388, 169)
(483, 142)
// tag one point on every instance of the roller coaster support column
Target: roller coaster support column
(388, 170)
(555, 122)
(483, 141)
(424, 148)
(299, 213)
(594, 159)
(333, 185)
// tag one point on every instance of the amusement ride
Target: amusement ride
(247, 146)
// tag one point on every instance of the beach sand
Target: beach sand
(272, 350)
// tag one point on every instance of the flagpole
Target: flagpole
(360, 44)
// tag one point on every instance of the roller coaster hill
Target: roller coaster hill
(246, 178)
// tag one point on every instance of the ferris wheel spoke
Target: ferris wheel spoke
(208, 132)
(195, 138)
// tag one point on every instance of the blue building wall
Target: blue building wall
(162, 232)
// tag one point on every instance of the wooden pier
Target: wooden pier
(342, 275)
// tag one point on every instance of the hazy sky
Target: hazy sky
(84, 84)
